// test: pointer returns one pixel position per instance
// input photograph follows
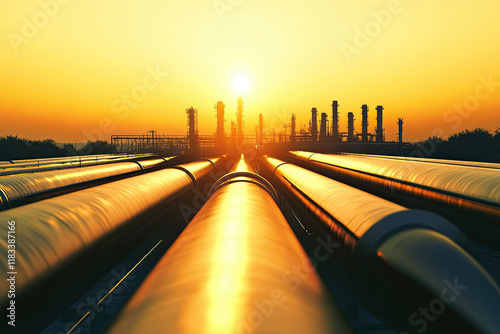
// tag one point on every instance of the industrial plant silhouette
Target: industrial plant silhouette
(327, 139)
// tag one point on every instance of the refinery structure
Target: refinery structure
(322, 133)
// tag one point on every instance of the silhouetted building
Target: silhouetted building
(364, 123)
(379, 131)
(261, 129)
(221, 140)
(350, 127)
(239, 121)
(294, 128)
(335, 121)
(400, 130)
(314, 125)
(322, 127)
(192, 123)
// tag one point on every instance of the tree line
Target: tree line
(475, 145)
(14, 148)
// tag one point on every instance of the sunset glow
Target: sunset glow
(77, 71)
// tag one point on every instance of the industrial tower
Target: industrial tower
(314, 125)
(221, 140)
(400, 130)
(192, 123)
(364, 123)
(379, 131)
(335, 121)
(239, 120)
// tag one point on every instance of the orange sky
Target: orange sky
(67, 65)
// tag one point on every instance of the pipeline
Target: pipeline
(436, 161)
(468, 197)
(60, 241)
(69, 159)
(230, 271)
(17, 190)
(399, 260)
(73, 163)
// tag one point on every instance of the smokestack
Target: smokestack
(364, 123)
(239, 120)
(261, 129)
(314, 125)
(322, 128)
(350, 126)
(335, 121)
(192, 123)
(294, 128)
(379, 131)
(400, 131)
(221, 141)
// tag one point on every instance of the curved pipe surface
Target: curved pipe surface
(21, 189)
(54, 234)
(469, 197)
(399, 259)
(70, 159)
(76, 163)
(429, 160)
(230, 271)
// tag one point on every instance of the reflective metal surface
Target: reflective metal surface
(397, 259)
(476, 183)
(15, 189)
(436, 161)
(469, 300)
(232, 271)
(468, 196)
(69, 159)
(33, 167)
(53, 232)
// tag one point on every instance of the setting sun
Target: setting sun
(240, 83)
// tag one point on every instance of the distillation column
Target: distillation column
(364, 123)
(335, 121)
(314, 125)
(221, 141)
(379, 131)
(350, 127)
(322, 127)
(239, 120)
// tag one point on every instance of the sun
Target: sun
(240, 83)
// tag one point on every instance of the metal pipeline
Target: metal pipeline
(70, 159)
(231, 271)
(436, 161)
(17, 190)
(409, 266)
(59, 237)
(13, 169)
(469, 197)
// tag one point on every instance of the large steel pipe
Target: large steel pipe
(22, 189)
(429, 160)
(230, 271)
(409, 266)
(60, 241)
(69, 159)
(469, 197)
(14, 169)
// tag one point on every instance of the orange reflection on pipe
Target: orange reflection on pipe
(227, 278)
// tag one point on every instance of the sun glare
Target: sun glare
(240, 83)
